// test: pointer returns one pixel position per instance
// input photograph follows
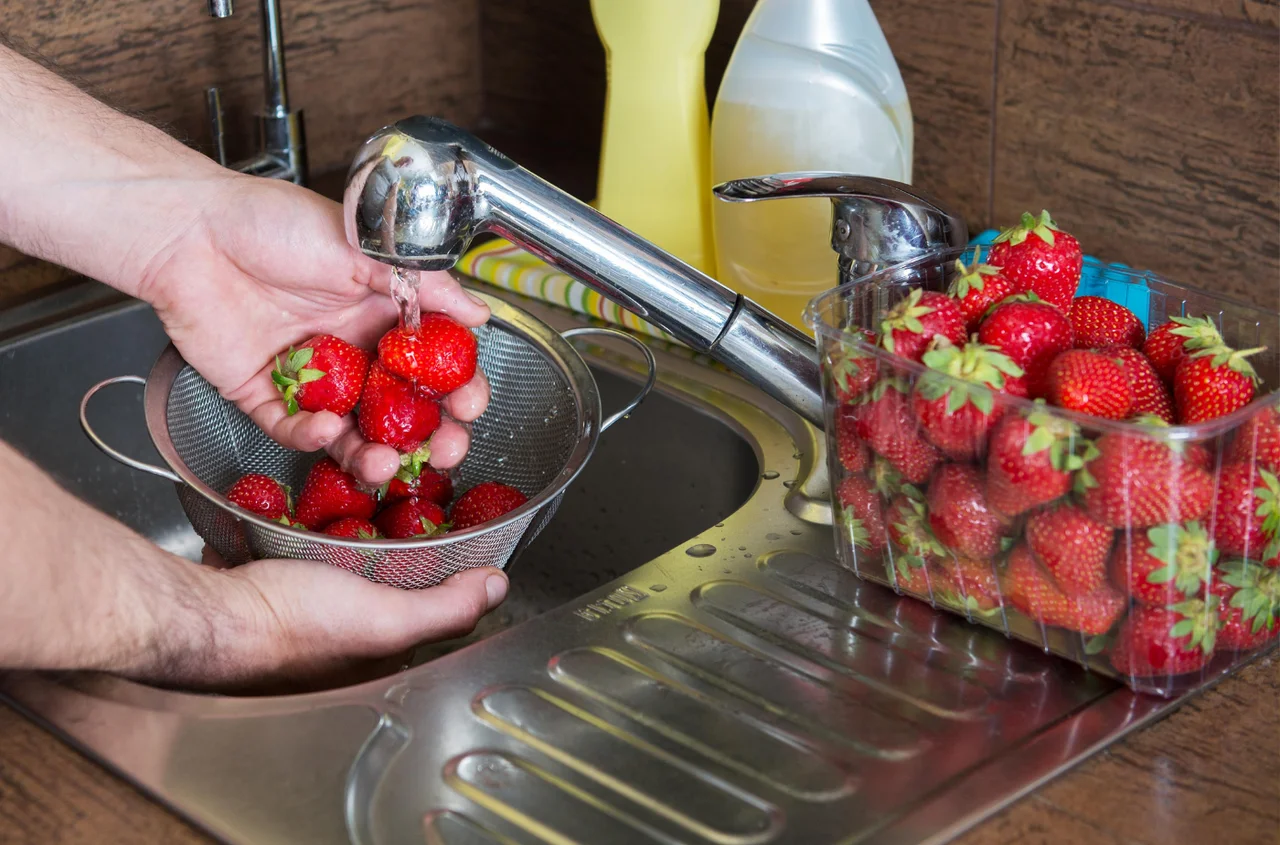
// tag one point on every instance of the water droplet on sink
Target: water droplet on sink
(658, 588)
(701, 550)
(772, 536)
(742, 548)
(796, 531)
(719, 525)
(788, 484)
(768, 475)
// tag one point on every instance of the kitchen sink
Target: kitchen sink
(681, 658)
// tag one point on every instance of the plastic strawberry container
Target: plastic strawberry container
(1160, 617)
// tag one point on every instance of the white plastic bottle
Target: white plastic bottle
(812, 85)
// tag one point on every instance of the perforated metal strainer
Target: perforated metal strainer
(539, 430)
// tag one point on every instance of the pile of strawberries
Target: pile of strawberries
(1162, 551)
(397, 399)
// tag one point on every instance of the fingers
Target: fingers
(303, 431)
(372, 463)
(448, 610)
(449, 444)
(468, 402)
(441, 292)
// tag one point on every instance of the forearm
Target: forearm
(85, 186)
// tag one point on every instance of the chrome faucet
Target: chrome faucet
(281, 137)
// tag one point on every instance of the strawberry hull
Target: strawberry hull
(1105, 521)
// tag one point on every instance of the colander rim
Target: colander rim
(559, 352)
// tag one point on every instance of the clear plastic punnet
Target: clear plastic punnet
(1133, 548)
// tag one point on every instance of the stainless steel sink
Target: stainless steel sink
(680, 660)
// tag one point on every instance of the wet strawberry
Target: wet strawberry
(861, 515)
(1213, 382)
(959, 514)
(1249, 605)
(329, 494)
(1100, 322)
(429, 484)
(885, 421)
(976, 288)
(1246, 511)
(324, 374)
(410, 518)
(922, 320)
(852, 367)
(1136, 481)
(1032, 333)
(955, 401)
(1168, 343)
(1037, 256)
(1165, 640)
(394, 413)
(909, 531)
(487, 501)
(438, 358)
(976, 587)
(1085, 381)
(1030, 590)
(1072, 546)
(1164, 565)
(1258, 440)
(262, 495)
(353, 528)
(1031, 460)
(1150, 395)
(852, 452)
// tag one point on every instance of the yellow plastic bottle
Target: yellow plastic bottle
(655, 174)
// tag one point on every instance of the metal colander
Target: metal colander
(541, 426)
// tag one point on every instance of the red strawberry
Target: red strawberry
(1246, 511)
(853, 368)
(1072, 546)
(1100, 322)
(1030, 332)
(919, 579)
(1031, 460)
(955, 401)
(975, 584)
(1165, 640)
(1135, 481)
(1213, 382)
(1168, 343)
(910, 328)
(353, 528)
(1084, 381)
(329, 494)
(485, 502)
(861, 516)
(908, 527)
(392, 412)
(438, 358)
(1030, 590)
(884, 420)
(1258, 440)
(429, 484)
(852, 452)
(1249, 605)
(262, 495)
(324, 374)
(1165, 565)
(1037, 256)
(1150, 395)
(960, 516)
(410, 518)
(976, 288)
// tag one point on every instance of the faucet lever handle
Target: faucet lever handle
(877, 222)
(213, 105)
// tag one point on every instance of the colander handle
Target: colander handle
(101, 444)
(649, 360)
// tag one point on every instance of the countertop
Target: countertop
(1210, 772)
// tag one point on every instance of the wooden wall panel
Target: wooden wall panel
(1154, 137)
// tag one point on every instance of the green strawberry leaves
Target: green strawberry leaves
(885, 478)
(857, 532)
(1187, 552)
(1042, 227)
(1200, 332)
(292, 374)
(970, 278)
(905, 315)
(1197, 623)
(966, 375)
(1096, 645)
(1268, 495)
(1257, 592)
(1235, 360)
(1068, 450)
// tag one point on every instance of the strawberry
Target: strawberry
(1168, 564)
(1258, 440)
(954, 401)
(1168, 343)
(860, 514)
(1150, 395)
(852, 452)
(1135, 481)
(328, 494)
(976, 288)
(1249, 605)
(485, 502)
(1039, 257)
(1031, 460)
(262, 495)
(910, 576)
(922, 320)
(975, 585)
(1030, 332)
(1030, 590)
(1082, 380)
(429, 484)
(959, 514)
(1246, 511)
(1165, 640)
(1099, 322)
(888, 482)
(908, 528)
(853, 369)
(438, 358)
(324, 374)
(410, 518)
(1213, 382)
(884, 420)
(394, 413)
(1072, 546)
(353, 528)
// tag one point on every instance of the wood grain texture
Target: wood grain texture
(1151, 137)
